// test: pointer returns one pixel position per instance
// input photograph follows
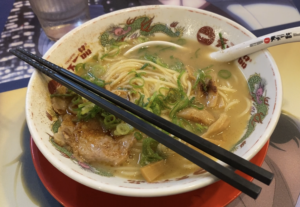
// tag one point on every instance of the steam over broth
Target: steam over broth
(185, 87)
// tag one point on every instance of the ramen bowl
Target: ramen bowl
(259, 69)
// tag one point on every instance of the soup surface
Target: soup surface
(184, 86)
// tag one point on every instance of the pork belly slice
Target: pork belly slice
(60, 104)
(93, 145)
(65, 131)
(211, 94)
(90, 143)
(196, 115)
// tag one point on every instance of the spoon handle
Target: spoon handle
(254, 45)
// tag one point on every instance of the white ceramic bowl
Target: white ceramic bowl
(259, 69)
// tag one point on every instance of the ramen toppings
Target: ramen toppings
(186, 88)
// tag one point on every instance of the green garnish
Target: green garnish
(156, 60)
(222, 41)
(224, 74)
(179, 84)
(137, 82)
(144, 66)
(149, 154)
(140, 101)
(201, 76)
(200, 127)
(109, 119)
(172, 96)
(111, 53)
(138, 135)
(78, 67)
(196, 53)
(199, 107)
(179, 106)
(163, 88)
(56, 126)
(76, 100)
(123, 129)
(181, 41)
(178, 66)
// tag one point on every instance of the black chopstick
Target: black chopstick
(211, 166)
(202, 144)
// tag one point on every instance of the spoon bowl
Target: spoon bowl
(241, 49)
(153, 43)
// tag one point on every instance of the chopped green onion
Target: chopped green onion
(163, 88)
(133, 71)
(173, 96)
(177, 121)
(138, 135)
(200, 127)
(149, 154)
(133, 92)
(151, 99)
(139, 75)
(224, 74)
(105, 114)
(156, 109)
(140, 101)
(110, 119)
(93, 79)
(142, 39)
(187, 125)
(76, 100)
(137, 82)
(56, 125)
(103, 56)
(196, 53)
(201, 107)
(78, 67)
(97, 70)
(179, 84)
(144, 66)
(179, 106)
(201, 76)
(178, 66)
(181, 41)
(122, 129)
(156, 60)
(222, 41)
(114, 54)
(86, 107)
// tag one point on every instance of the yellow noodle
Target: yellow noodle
(121, 76)
(172, 85)
(247, 109)
(231, 104)
(226, 89)
(223, 96)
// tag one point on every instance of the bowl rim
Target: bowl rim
(153, 192)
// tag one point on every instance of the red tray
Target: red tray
(70, 193)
